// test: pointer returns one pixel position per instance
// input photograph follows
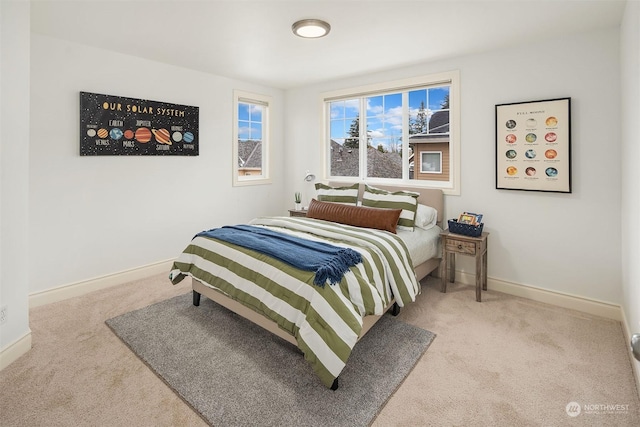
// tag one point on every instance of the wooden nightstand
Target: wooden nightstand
(453, 244)
(293, 212)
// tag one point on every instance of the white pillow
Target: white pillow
(426, 217)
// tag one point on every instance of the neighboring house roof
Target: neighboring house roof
(250, 154)
(383, 165)
(438, 129)
(345, 162)
(439, 122)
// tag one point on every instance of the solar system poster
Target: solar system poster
(117, 126)
(533, 146)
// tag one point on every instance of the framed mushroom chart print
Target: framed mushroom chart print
(533, 146)
(114, 125)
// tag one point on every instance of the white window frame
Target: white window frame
(439, 171)
(451, 187)
(240, 96)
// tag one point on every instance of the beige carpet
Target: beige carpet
(506, 361)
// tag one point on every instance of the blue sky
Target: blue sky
(249, 122)
(384, 114)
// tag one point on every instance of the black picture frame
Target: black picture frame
(112, 125)
(533, 145)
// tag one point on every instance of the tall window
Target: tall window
(251, 139)
(399, 132)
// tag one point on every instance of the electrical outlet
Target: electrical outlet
(3, 315)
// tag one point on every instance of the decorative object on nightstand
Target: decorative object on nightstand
(464, 237)
(467, 224)
(298, 200)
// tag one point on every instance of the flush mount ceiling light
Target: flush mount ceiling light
(311, 28)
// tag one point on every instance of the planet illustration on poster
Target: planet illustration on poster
(530, 171)
(162, 136)
(102, 133)
(511, 154)
(143, 135)
(530, 154)
(551, 121)
(512, 170)
(551, 172)
(91, 133)
(177, 136)
(551, 137)
(531, 137)
(531, 123)
(128, 134)
(511, 138)
(115, 133)
(550, 154)
(187, 137)
(510, 124)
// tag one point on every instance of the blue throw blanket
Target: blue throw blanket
(327, 261)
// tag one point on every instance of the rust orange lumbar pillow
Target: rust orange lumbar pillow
(359, 216)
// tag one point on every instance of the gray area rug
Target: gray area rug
(234, 373)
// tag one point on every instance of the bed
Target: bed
(324, 322)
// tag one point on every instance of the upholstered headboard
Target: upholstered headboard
(428, 196)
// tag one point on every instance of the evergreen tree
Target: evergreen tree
(354, 134)
(445, 102)
(421, 122)
(353, 141)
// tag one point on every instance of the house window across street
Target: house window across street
(430, 162)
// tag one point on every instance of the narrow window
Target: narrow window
(251, 139)
(344, 124)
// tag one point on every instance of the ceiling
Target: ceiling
(252, 40)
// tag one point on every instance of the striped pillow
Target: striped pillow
(405, 200)
(346, 195)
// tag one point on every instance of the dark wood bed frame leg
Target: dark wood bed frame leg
(395, 310)
(334, 386)
(196, 298)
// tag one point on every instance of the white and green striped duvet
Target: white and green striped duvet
(326, 322)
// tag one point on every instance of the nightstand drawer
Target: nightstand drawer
(293, 212)
(461, 246)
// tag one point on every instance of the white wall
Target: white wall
(569, 243)
(92, 216)
(14, 181)
(630, 82)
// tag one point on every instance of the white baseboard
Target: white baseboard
(85, 286)
(13, 351)
(574, 302)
